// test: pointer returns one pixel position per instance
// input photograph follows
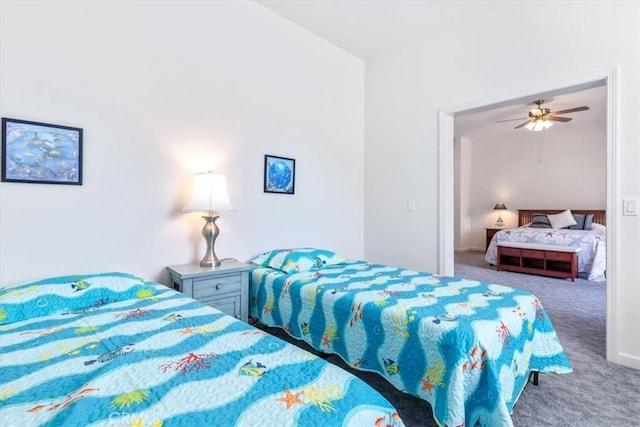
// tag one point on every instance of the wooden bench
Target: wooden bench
(533, 258)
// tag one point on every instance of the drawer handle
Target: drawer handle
(219, 286)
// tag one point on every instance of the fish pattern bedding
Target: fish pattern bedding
(466, 347)
(592, 259)
(112, 349)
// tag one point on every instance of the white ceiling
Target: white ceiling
(369, 27)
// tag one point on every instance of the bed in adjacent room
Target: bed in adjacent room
(466, 347)
(589, 233)
(112, 349)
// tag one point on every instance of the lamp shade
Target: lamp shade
(500, 206)
(209, 193)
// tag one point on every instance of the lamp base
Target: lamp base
(499, 222)
(210, 232)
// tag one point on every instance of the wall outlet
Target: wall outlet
(411, 205)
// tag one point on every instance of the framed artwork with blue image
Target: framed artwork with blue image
(41, 153)
(279, 174)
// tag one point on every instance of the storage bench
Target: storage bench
(533, 258)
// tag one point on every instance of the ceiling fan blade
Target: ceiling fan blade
(571, 110)
(522, 124)
(510, 120)
(559, 119)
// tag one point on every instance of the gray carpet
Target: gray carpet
(596, 393)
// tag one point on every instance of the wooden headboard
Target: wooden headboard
(525, 216)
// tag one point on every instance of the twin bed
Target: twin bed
(591, 239)
(112, 349)
(466, 347)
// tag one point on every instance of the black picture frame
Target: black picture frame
(279, 174)
(41, 153)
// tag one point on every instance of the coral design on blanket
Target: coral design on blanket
(138, 312)
(126, 400)
(190, 363)
(321, 396)
(503, 333)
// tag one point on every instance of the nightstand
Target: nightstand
(490, 233)
(225, 287)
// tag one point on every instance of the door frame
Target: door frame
(446, 173)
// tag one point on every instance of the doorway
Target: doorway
(446, 173)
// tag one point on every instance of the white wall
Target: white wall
(484, 57)
(560, 168)
(463, 192)
(164, 90)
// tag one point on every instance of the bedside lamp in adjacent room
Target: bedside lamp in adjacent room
(500, 206)
(209, 195)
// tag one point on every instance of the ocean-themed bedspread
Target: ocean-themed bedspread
(466, 347)
(592, 259)
(111, 349)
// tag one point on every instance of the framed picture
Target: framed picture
(279, 174)
(41, 153)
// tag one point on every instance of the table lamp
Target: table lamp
(500, 206)
(209, 195)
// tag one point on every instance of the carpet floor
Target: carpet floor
(597, 393)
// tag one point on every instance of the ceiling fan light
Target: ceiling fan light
(538, 125)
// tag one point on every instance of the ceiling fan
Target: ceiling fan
(543, 118)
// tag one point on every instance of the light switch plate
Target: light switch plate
(630, 207)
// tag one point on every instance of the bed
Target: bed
(592, 258)
(112, 349)
(466, 347)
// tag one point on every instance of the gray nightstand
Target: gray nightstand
(226, 287)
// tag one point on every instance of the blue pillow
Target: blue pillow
(300, 259)
(588, 222)
(67, 293)
(540, 221)
(579, 225)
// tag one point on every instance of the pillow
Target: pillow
(67, 293)
(540, 221)
(562, 220)
(579, 219)
(588, 222)
(300, 259)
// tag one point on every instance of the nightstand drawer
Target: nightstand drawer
(217, 286)
(229, 305)
(559, 256)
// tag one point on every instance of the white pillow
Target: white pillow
(562, 220)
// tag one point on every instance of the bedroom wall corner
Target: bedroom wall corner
(201, 86)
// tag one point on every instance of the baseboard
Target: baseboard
(628, 360)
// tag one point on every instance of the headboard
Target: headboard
(525, 216)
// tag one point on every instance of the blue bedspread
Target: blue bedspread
(111, 349)
(466, 347)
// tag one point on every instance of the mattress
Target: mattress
(466, 347)
(113, 349)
